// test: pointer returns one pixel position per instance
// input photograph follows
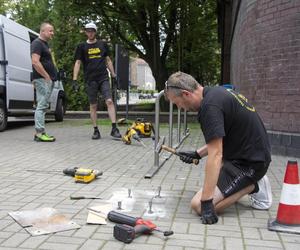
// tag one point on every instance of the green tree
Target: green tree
(169, 35)
(162, 32)
(5, 7)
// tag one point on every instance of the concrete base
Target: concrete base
(273, 225)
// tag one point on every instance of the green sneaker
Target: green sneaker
(43, 138)
(50, 136)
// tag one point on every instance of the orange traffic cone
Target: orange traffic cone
(288, 214)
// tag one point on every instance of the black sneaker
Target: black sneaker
(96, 135)
(115, 133)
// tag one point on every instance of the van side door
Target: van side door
(19, 89)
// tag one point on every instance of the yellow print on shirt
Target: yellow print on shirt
(94, 53)
(242, 100)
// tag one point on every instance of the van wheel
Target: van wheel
(3, 116)
(59, 112)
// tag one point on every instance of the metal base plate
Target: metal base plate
(273, 225)
(43, 221)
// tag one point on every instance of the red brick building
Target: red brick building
(261, 57)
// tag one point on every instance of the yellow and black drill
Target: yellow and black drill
(139, 129)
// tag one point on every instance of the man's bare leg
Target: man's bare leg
(93, 114)
(218, 199)
(111, 110)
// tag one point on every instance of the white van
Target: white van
(17, 94)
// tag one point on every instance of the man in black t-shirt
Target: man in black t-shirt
(94, 55)
(237, 146)
(44, 73)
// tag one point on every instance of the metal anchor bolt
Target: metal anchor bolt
(150, 207)
(158, 191)
(129, 193)
(119, 205)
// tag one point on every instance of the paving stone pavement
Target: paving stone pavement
(124, 167)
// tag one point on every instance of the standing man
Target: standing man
(94, 55)
(44, 73)
(237, 146)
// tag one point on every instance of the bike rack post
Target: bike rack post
(171, 125)
(157, 164)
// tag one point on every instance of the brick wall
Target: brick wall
(265, 63)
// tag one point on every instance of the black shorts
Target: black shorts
(235, 176)
(93, 87)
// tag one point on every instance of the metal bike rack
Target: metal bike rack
(180, 138)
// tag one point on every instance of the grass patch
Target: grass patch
(107, 122)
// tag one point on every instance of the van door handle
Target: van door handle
(3, 62)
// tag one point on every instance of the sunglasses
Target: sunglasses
(167, 86)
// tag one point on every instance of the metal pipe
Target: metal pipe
(179, 126)
(157, 112)
(184, 122)
(171, 125)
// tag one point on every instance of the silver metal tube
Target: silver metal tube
(157, 112)
(184, 122)
(171, 125)
(179, 126)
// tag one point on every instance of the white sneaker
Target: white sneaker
(263, 198)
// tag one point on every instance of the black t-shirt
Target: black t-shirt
(41, 48)
(226, 114)
(93, 57)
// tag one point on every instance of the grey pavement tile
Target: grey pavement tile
(262, 248)
(142, 246)
(233, 243)
(173, 248)
(185, 243)
(15, 240)
(214, 242)
(34, 242)
(263, 243)
(269, 235)
(66, 240)
(58, 246)
(93, 245)
(116, 245)
(291, 246)
(251, 233)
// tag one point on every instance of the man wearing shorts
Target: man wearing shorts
(94, 55)
(237, 146)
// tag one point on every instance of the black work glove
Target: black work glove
(208, 214)
(188, 156)
(75, 86)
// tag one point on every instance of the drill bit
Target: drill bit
(83, 197)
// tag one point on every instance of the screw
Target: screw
(158, 190)
(119, 205)
(150, 207)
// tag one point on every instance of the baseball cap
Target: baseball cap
(90, 26)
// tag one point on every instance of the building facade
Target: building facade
(261, 57)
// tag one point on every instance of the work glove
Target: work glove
(208, 214)
(188, 156)
(115, 81)
(75, 86)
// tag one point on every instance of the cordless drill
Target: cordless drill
(82, 175)
(129, 227)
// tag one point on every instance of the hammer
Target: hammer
(160, 146)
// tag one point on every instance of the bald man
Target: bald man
(44, 75)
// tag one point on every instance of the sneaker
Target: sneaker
(262, 199)
(115, 133)
(50, 136)
(43, 138)
(96, 135)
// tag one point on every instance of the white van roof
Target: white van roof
(13, 27)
